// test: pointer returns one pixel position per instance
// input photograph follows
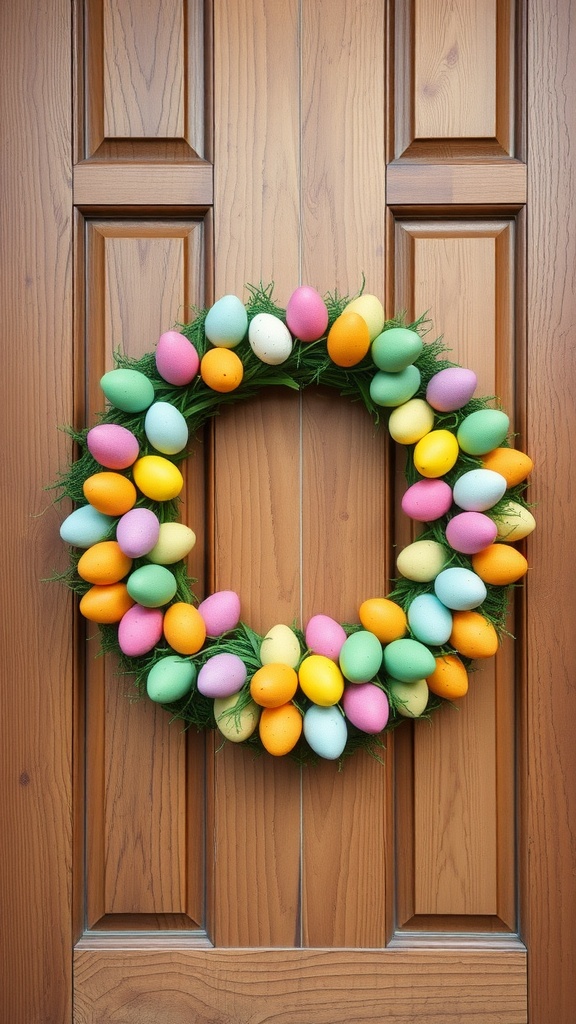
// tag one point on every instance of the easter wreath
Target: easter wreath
(332, 687)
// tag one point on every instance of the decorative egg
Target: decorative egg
(113, 446)
(473, 636)
(166, 428)
(273, 684)
(500, 564)
(451, 389)
(396, 348)
(220, 611)
(235, 717)
(366, 706)
(450, 678)
(408, 660)
(280, 645)
(436, 453)
(86, 526)
(226, 322)
(427, 500)
(280, 729)
(106, 603)
(512, 464)
(479, 489)
(409, 422)
(127, 389)
(137, 532)
(361, 656)
(460, 589)
(470, 532)
(157, 477)
(103, 563)
(321, 680)
(306, 314)
(384, 618)
(430, 620)
(393, 389)
(270, 339)
(325, 636)
(139, 630)
(222, 675)
(422, 560)
(184, 628)
(514, 522)
(152, 585)
(175, 541)
(325, 731)
(177, 360)
(110, 492)
(348, 339)
(482, 430)
(410, 699)
(170, 679)
(371, 310)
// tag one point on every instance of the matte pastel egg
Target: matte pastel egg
(175, 541)
(235, 718)
(86, 526)
(325, 731)
(222, 675)
(321, 680)
(112, 445)
(137, 532)
(170, 679)
(361, 656)
(427, 500)
(127, 389)
(482, 431)
(280, 645)
(371, 310)
(408, 660)
(366, 706)
(220, 611)
(166, 428)
(177, 360)
(436, 453)
(470, 532)
(460, 589)
(270, 339)
(157, 477)
(451, 389)
(479, 489)
(152, 585)
(411, 699)
(430, 621)
(306, 314)
(514, 522)
(392, 389)
(226, 322)
(325, 636)
(396, 348)
(139, 630)
(422, 560)
(409, 422)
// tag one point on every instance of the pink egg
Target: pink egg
(139, 630)
(177, 360)
(222, 675)
(138, 531)
(427, 500)
(451, 388)
(112, 446)
(306, 314)
(325, 636)
(366, 706)
(220, 611)
(470, 532)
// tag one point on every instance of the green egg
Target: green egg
(393, 389)
(361, 656)
(151, 585)
(396, 348)
(408, 660)
(483, 430)
(412, 697)
(170, 679)
(128, 390)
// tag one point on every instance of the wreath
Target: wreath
(326, 689)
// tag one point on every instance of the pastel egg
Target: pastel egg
(513, 464)
(409, 422)
(384, 618)
(235, 717)
(170, 679)
(482, 430)
(166, 428)
(396, 348)
(103, 563)
(371, 310)
(436, 453)
(410, 699)
(280, 645)
(306, 314)
(479, 489)
(137, 532)
(86, 526)
(366, 706)
(408, 660)
(280, 729)
(460, 589)
(177, 360)
(514, 522)
(270, 339)
(139, 630)
(427, 500)
(112, 445)
(110, 492)
(430, 620)
(392, 389)
(321, 680)
(220, 611)
(226, 322)
(325, 636)
(152, 585)
(127, 389)
(222, 675)
(175, 541)
(422, 560)
(451, 389)
(470, 532)
(325, 731)
(157, 477)
(361, 656)
(105, 603)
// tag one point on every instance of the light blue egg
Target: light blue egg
(86, 526)
(166, 428)
(226, 322)
(479, 489)
(459, 588)
(151, 585)
(325, 731)
(170, 679)
(360, 656)
(430, 620)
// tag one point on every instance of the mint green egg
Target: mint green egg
(396, 348)
(170, 679)
(393, 389)
(151, 585)
(408, 660)
(128, 390)
(360, 656)
(483, 430)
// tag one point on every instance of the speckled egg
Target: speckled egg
(152, 585)
(470, 532)
(270, 339)
(325, 731)
(127, 389)
(220, 611)
(422, 560)
(139, 630)
(479, 489)
(177, 360)
(514, 522)
(366, 706)
(361, 656)
(166, 428)
(112, 445)
(222, 675)
(226, 322)
(436, 453)
(451, 388)
(137, 532)
(306, 314)
(325, 636)
(170, 679)
(427, 500)
(410, 699)
(459, 589)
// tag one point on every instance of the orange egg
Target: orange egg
(273, 684)
(184, 628)
(110, 493)
(104, 562)
(280, 729)
(221, 369)
(500, 564)
(449, 679)
(107, 603)
(348, 339)
(472, 635)
(383, 617)
(513, 465)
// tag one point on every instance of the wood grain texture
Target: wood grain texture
(117, 185)
(484, 182)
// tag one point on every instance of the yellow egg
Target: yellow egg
(321, 680)
(515, 522)
(175, 541)
(280, 645)
(236, 719)
(157, 477)
(436, 453)
(371, 310)
(280, 729)
(412, 698)
(422, 560)
(409, 422)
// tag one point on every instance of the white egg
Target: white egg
(269, 339)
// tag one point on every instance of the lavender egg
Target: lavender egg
(325, 636)
(177, 361)
(427, 500)
(222, 675)
(450, 389)
(137, 532)
(113, 446)
(470, 532)
(306, 314)
(220, 611)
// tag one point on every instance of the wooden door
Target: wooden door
(157, 155)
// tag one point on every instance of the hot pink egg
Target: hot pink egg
(138, 531)
(451, 388)
(220, 611)
(427, 500)
(112, 446)
(222, 675)
(306, 314)
(470, 532)
(366, 706)
(139, 630)
(177, 360)
(325, 636)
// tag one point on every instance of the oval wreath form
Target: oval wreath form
(328, 689)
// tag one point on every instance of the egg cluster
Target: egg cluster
(329, 683)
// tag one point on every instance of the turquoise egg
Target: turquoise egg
(226, 322)
(170, 679)
(483, 430)
(430, 620)
(151, 585)
(360, 656)
(408, 660)
(460, 589)
(325, 731)
(128, 390)
(86, 526)
(393, 389)
(396, 348)
(166, 428)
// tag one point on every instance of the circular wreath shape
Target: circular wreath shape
(326, 689)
